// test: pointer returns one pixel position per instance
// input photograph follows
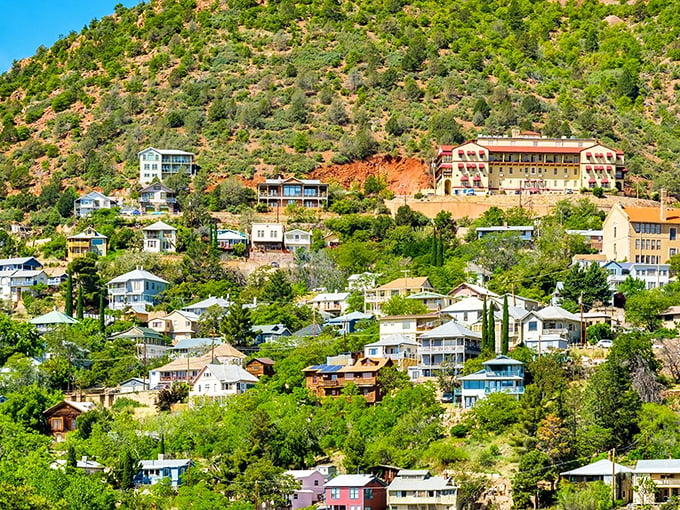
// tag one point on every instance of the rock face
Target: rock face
(403, 175)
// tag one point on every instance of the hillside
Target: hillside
(293, 87)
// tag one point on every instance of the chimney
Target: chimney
(84, 459)
(514, 132)
(662, 204)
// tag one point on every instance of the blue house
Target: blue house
(349, 321)
(269, 332)
(499, 374)
(525, 233)
(153, 471)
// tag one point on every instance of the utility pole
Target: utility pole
(257, 494)
(613, 460)
(580, 326)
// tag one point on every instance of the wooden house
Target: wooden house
(260, 366)
(62, 417)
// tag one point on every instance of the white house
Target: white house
(401, 350)
(163, 163)
(160, 237)
(157, 197)
(216, 380)
(417, 489)
(467, 311)
(296, 239)
(501, 374)
(137, 289)
(331, 302)
(15, 282)
(552, 327)
(92, 201)
(267, 236)
(448, 343)
(653, 275)
(408, 326)
(311, 488)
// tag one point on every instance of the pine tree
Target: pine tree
(491, 335)
(102, 316)
(79, 310)
(162, 445)
(237, 327)
(127, 472)
(485, 328)
(71, 460)
(505, 328)
(68, 298)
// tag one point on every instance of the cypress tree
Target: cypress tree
(127, 472)
(68, 298)
(491, 336)
(79, 310)
(440, 251)
(71, 460)
(102, 316)
(505, 328)
(485, 328)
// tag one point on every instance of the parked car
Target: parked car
(274, 264)
(468, 192)
(447, 398)
(605, 342)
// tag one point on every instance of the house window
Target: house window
(316, 483)
(57, 423)
(335, 493)
(368, 494)
(353, 493)
(673, 233)
(533, 326)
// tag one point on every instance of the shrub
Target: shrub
(461, 430)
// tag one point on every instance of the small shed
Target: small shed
(62, 417)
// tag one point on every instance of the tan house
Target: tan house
(329, 380)
(375, 298)
(664, 473)
(527, 162)
(176, 325)
(647, 235)
(89, 240)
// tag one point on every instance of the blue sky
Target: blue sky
(26, 24)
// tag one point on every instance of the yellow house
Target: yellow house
(87, 241)
(375, 298)
(645, 235)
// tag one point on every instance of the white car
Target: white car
(605, 342)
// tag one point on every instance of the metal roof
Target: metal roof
(600, 468)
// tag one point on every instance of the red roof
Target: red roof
(546, 150)
(592, 181)
(464, 178)
(605, 181)
(476, 178)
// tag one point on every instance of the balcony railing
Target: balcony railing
(517, 390)
(667, 481)
(423, 500)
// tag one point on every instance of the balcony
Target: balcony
(667, 482)
(327, 383)
(515, 373)
(117, 291)
(423, 500)
(556, 331)
(517, 390)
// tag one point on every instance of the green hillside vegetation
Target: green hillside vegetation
(284, 87)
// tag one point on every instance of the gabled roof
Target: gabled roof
(555, 313)
(137, 274)
(83, 407)
(292, 179)
(477, 289)
(53, 317)
(18, 261)
(450, 329)
(167, 152)
(159, 225)
(426, 295)
(193, 343)
(89, 233)
(95, 194)
(502, 360)
(330, 296)
(227, 373)
(264, 361)
(139, 332)
(298, 230)
(230, 234)
(270, 329)
(424, 316)
(391, 340)
(160, 187)
(208, 302)
(311, 330)
(165, 463)
(415, 282)
(221, 351)
(349, 317)
(302, 473)
(431, 483)
(353, 481)
(600, 468)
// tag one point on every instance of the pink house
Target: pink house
(356, 492)
(311, 490)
